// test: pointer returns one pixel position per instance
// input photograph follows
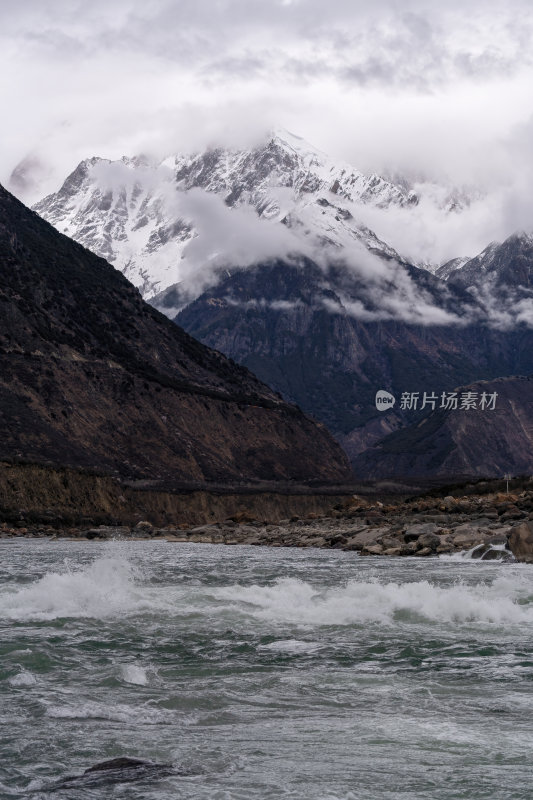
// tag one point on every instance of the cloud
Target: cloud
(411, 85)
(227, 238)
(384, 290)
(439, 93)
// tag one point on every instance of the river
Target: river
(263, 673)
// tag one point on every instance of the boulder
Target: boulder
(389, 541)
(430, 540)
(316, 541)
(465, 537)
(494, 554)
(202, 530)
(480, 550)
(373, 550)
(521, 542)
(414, 531)
(393, 551)
(445, 547)
(512, 514)
(337, 540)
(481, 522)
(115, 771)
(99, 533)
(362, 539)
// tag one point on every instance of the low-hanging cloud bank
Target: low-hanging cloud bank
(438, 93)
(411, 87)
(382, 289)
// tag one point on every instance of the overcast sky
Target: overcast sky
(443, 89)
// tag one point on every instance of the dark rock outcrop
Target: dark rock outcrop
(521, 542)
(116, 770)
(93, 377)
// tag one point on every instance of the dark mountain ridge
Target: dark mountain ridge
(319, 338)
(462, 442)
(505, 266)
(91, 376)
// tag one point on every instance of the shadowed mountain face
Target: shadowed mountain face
(467, 442)
(91, 376)
(507, 266)
(305, 331)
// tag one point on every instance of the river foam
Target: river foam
(111, 587)
(505, 600)
(23, 679)
(105, 588)
(135, 674)
(265, 673)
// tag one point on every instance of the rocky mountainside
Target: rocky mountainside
(327, 329)
(136, 215)
(329, 341)
(462, 442)
(500, 266)
(91, 376)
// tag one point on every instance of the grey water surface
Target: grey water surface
(262, 673)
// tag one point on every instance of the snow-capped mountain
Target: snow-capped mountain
(137, 214)
(445, 270)
(505, 265)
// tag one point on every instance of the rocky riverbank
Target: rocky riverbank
(498, 526)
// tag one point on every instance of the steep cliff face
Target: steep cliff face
(320, 338)
(462, 442)
(31, 494)
(91, 376)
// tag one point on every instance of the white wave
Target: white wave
(505, 600)
(133, 673)
(111, 588)
(291, 646)
(35, 785)
(137, 715)
(105, 588)
(23, 678)
(465, 555)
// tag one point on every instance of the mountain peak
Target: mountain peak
(296, 144)
(507, 265)
(136, 213)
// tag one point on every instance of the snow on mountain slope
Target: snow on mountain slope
(507, 266)
(136, 214)
(121, 211)
(445, 270)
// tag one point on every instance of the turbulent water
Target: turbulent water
(263, 673)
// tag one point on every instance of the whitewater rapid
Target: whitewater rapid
(113, 585)
(265, 673)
